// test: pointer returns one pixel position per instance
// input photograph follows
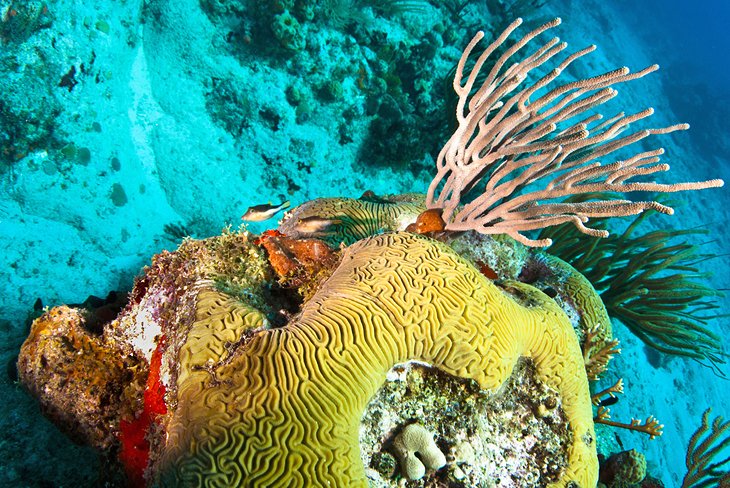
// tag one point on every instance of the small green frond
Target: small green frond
(341, 13)
(396, 7)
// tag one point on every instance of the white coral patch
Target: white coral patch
(145, 328)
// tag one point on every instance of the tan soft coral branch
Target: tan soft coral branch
(650, 426)
(507, 141)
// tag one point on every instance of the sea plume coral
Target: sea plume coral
(705, 460)
(651, 282)
(510, 137)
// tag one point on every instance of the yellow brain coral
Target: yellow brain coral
(282, 407)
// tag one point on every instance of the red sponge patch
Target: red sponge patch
(135, 452)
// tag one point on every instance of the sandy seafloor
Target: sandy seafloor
(144, 99)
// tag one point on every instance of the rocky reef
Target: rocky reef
(290, 361)
(417, 340)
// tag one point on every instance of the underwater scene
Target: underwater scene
(364, 243)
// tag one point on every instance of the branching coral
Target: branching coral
(510, 138)
(611, 391)
(650, 426)
(704, 469)
(596, 358)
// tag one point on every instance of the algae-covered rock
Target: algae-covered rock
(518, 435)
(288, 31)
(625, 468)
(80, 379)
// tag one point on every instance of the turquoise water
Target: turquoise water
(124, 125)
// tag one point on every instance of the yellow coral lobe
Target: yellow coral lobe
(284, 409)
(220, 322)
(592, 310)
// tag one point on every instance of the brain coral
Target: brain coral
(240, 383)
(283, 408)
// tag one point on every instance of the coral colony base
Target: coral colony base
(372, 340)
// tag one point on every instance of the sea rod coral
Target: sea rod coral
(256, 358)
(510, 138)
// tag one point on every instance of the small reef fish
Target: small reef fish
(259, 213)
(315, 224)
(612, 400)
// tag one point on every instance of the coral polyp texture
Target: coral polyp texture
(350, 220)
(285, 409)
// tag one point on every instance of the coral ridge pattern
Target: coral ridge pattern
(355, 218)
(284, 409)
